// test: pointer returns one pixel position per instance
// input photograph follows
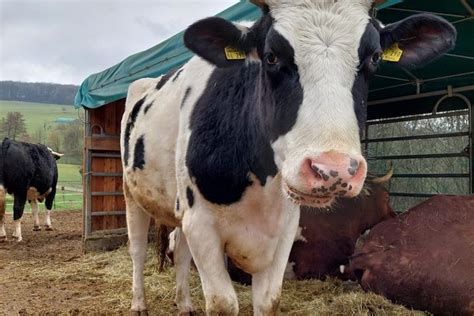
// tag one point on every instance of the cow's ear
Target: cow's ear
(417, 40)
(219, 41)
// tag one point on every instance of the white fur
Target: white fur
(325, 36)
(299, 235)
(290, 272)
(17, 232)
(258, 231)
(47, 219)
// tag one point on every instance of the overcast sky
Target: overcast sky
(64, 41)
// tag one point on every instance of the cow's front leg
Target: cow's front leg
(35, 211)
(138, 223)
(267, 284)
(18, 208)
(199, 227)
(182, 259)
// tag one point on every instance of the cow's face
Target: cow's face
(316, 58)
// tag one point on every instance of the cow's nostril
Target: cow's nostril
(354, 167)
(316, 170)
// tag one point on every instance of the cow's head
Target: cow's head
(316, 58)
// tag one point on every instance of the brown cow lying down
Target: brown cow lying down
(423, 259)
(326, 239)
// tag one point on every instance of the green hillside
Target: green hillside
(38, 115)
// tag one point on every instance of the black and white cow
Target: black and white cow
(28, 172)
(266, 118)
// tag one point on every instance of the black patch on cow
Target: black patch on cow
(240, 113)
(190, 197)
(139, 154)
(186, 96)
(128, 129)
(177, 204)
(165, 79)
(147, 108)
(177, 74)
(369, 44)
(24, 165)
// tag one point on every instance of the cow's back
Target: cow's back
(27, 165)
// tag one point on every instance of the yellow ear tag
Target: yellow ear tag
(393, 53)
(234, 54)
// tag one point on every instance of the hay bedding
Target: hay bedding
(48, 275)
(332, 297)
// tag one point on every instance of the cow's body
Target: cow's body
(29, 173)
(423, 259)
(326, 240)
(228, 147)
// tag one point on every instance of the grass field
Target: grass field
(38, 115)
(69, 190)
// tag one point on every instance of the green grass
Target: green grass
(69, 173)
(38, 115)
(68, 199)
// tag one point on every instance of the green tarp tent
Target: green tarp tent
(398, 88)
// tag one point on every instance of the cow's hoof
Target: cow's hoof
(3, 238)
(139, 313)
(36, 228)
(17, 239)
(48, 228)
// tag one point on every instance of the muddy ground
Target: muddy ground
(47, 274)
(23, 287)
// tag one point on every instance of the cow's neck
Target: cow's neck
(229, 139)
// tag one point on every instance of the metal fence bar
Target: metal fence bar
(430, 175)
(416, 137)
(427, 156)
(418, 117)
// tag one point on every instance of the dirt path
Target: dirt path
(23, 290)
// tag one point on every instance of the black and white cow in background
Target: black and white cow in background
(266, 118)
(28, 172)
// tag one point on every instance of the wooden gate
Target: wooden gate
(104, 225)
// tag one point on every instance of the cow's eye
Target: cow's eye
(376, 57)
(271, 59)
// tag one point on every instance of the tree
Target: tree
(13, 125)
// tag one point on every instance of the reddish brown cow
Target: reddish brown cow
(327, 239)
(423, 259)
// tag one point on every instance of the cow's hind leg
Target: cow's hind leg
(138, 223)
(3, 234)
(267, 284)
(208, 253)
(182, 259)
(49, 206)
(35, 211)
(18, 208)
